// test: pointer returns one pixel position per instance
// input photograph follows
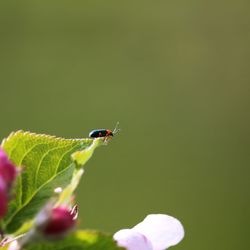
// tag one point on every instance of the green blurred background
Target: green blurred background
(174, 73)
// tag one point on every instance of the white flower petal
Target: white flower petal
(14, 246)
(58, 190)
(132, 240)
(162, 230)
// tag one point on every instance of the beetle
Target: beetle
(106, 133)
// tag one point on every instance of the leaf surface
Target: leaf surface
(80, 240)
(45, 163)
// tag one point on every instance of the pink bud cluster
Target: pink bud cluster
(60, 221)
(56, 222)
(8, 173)
(52, 223)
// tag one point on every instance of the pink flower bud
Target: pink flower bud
(8, 170)
(3, 198)
(60, 221)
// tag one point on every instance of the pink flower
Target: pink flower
(132, 240)
(155, 232)
(59, 222)
(3, 198)
(8, 174)
(51, 223)
(8, 170)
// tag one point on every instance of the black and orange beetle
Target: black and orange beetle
(106, 133)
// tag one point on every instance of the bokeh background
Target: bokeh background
(174, 73)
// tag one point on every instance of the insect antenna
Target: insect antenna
(116, 129)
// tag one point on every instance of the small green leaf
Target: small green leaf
(80, 240)
(46, 162)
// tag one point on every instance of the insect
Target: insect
(106, 133)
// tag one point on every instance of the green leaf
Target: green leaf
(80, 240)
(46, 163)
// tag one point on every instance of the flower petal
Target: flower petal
(8, 170)
(162, 230)
(132, 240)
(3, 198)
